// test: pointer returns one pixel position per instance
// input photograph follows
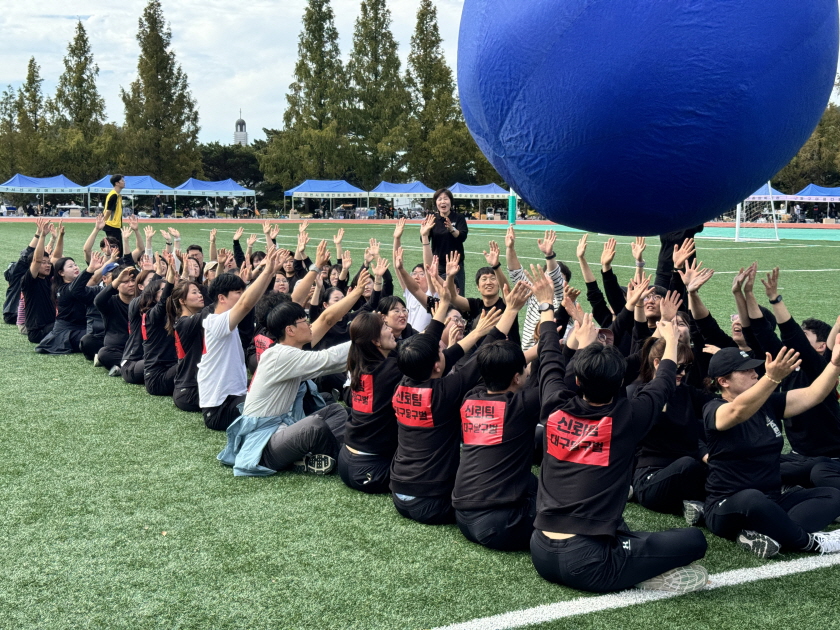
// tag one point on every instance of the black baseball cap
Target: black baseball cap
(728, 360)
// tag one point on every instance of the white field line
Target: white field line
(623, 599)
(416, 248)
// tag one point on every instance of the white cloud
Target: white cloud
(236, 56)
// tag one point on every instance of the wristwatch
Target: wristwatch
(314, 267)
(545, 306)
(777, 300)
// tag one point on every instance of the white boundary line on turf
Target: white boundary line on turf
(624, 599)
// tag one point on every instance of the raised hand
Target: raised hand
(398, 229)
(783, 365)
(580, 252)
(361, 282)
(338, 237)
(638, 291)
(266, 227)
(453, 264)
(374, 248)
(124, 276)
(213, 235)
(133, 222)
(368, 256)
(492, 257)
(670, 305)
(322, 254)
(487, 322)
(638, 248)
(771, 285)
(302, 227)
(302, 241)
(570, 296)
(239, 232)
(541, 285)
(126, 232)
(608, 254)
(100, 221)
(749, 280)
(682, 253)
(149, 231)
(251, 240)
(97, 261)
(586, 330)
(146, 262)
(546, 244)
(380, 268)
(176, 234)
(427, 225)
(347, 259)
(275, 230)
(694, 277)
(221, 257)
(166, 234)
(41, 225)
(668, 331)
(518, 296)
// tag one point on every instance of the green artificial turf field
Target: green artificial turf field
(117, 514)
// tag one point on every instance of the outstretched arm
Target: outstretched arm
(98, 226)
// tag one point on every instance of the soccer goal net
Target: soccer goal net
(758, 219)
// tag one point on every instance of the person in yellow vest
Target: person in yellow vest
(113, 210)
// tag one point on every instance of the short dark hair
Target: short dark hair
(115, 179)
(484, 271)
(256, 257)
(417, 356)
(266, 304)
(111, 240)
(388, 302)
(564, 269)
(281, 316)
(195, 248)
(600, 370)
(223, 284)
(499, 362)
(418, 266)
(443, 191)
(817, 326)
(329, 293)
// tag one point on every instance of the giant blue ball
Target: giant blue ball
(643, 116)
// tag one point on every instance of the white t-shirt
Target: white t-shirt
(221, 371)
(418, 316)
(280, 372)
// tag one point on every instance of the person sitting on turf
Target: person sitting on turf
(495, 492)
(262, 340)
(185, 312)
(222, 376)
(159, 358)
(85, 288)
(131, 364)
(489, 287)
(38, 302)
(426, 405)
(70, 319)
(113, 302)
(744, 438)
(415, 285)
(14, 275)
(580, 539)
(276, 431)
(670, 475)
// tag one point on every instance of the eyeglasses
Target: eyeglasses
(653, 297)
(683, 367)
(302, 321)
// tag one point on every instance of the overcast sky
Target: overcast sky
(234, 56)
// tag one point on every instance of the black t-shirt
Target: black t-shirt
(115, 316)
(158, 345)
(589, 449)
(70, 309)
(444, 243)
(477, 308)
(189, 346)
(747, 456)
(39, 305)
(677, 431)
(86, 295)
(372, 424)
(134, 345)
(498, 435)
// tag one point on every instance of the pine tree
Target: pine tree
(77, 102)
(313, 142)
(379, 99)
(161, 119)
(8, 134)
(31, 121)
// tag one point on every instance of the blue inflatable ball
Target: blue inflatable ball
(643, 117)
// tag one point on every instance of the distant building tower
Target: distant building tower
(240, 136)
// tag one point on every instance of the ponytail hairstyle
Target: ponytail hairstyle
(149, 296)
(57, 279)
(364, 356)
(174, 310)
(329, 293)
(654, 348)
(143, 276)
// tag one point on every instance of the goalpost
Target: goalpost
(757, 218)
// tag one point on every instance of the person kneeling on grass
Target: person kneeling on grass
(274, 433)
(745, 442)
(580, 539)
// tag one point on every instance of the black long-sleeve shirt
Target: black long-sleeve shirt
(134, 345)
(443, 243)
(39, 306)
(158, 345)
(87, 295)
(13, 275)
(589, 449)
(114, 316)
(498, 435)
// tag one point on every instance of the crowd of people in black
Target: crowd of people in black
(311, 365)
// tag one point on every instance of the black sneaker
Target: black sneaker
(760, 544)
(316, 464)
(693, 512)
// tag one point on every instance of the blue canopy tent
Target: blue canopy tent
(225, 188)
(326, 189)
(768, 193)
(487, 191)
(134, 185)
(57, 185)
(820, 194)
(413, 190)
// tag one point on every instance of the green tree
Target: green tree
(379, 99)
(313, 141)
(232, 161)
(8, 134)
(438, 148)
(31, 120)
(818, 161)
(161, 119)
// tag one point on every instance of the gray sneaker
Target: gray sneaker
(115, 371)
(826, 542)
(760, 544)
(693, 512)
(316, 464)
(680, 580)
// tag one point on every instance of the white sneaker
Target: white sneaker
(693, 512)
(96, 360)
(680, 580)
(827, 542)
(760, 544)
